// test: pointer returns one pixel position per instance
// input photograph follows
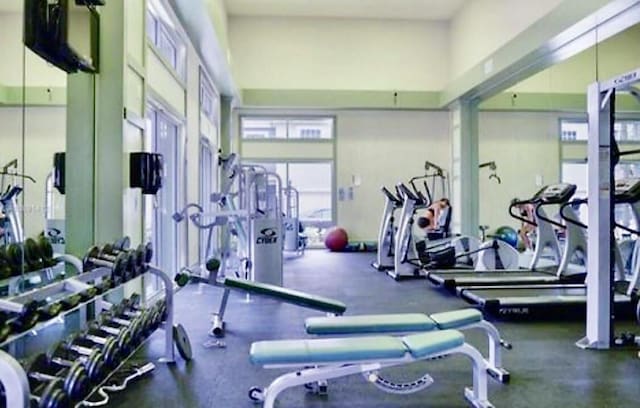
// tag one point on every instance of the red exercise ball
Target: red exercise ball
(336, 239)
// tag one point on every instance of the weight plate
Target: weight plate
(122, 244)
(53, 396)
(76, 382)
(182, 342)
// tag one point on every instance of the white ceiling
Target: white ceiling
(384, 9)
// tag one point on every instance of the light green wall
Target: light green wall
(220, 20)
(339, 54)
(38, 73)
(383, 148)
(483, 26)
(525, 146)
(612, 57)
(164, 83)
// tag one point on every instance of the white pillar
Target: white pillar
(600, 243)
(464, 168)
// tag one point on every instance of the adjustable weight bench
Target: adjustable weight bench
(316, 360)
(295, 297)
(405, 323)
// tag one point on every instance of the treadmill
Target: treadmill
(554, 194)
(564, 301)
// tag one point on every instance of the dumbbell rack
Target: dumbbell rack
(12, 375)
(12, 285)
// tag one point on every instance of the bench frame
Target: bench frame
(477, 395)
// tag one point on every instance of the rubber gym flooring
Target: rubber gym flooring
(547, 369)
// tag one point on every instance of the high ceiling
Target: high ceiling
(383, 9)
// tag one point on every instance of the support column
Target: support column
(600, 243)
(109, 125)
(79, 174)
(464, 168)
(95, 132)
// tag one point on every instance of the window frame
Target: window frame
(178, 62)
(288, 119)
(621, 118)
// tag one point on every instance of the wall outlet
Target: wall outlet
(539, 180)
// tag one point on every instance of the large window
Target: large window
(165, 39)
(578, 130)
(315, 128)
(314, 182)
(576, 173)
(208, 98)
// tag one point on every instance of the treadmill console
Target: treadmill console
(556, 193)
(627, 190)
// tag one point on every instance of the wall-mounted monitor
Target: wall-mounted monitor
(64, 32)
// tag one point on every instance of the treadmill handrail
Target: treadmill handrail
(545, 218)
(515, 202)
(392, 197)
(407, 192)
(578, 201)
(582, 201)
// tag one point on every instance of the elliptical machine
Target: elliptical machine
(387, 231)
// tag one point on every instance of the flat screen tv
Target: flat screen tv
(63, 32)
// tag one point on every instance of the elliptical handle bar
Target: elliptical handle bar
(547, 219)
(515, 202)
(577, 201)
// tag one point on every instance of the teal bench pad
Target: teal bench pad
(383, 323)
(424, 344)
(352, 349)
(295, 297)
(456, 318)
(391, 323)
(326, 350)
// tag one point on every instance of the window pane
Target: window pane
(282, 128)
(572, 131)
(623, 130)
(311, 128)
(255, 128)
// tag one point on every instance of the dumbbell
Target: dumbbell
(5, 329)
(49, 310)
(5, 267)
(46, 251)
(135, 258)
(114, 324)
(75, 381)
(50, 395)
(26, 319)
(118, 265)
(15, 258)
(32, 256)
(143, 253)
(130, 309)
(85, 343)
(93, 360)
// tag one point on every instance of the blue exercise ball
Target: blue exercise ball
(508, 235)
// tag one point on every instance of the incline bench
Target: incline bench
(294, 297)
(318, 360)
(404, 323)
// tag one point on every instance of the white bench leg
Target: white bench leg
(478, 395)
(494, 363)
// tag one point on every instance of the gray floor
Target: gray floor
(547, 369)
